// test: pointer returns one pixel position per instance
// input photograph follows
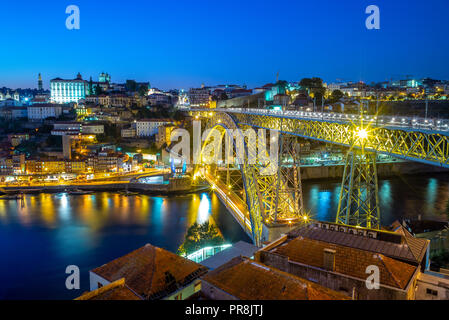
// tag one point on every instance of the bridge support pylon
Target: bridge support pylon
(288, 182)
(359, 200)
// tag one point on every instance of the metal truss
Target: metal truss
(289, 202)
(358, 204)
(274, 198)
(430, 147)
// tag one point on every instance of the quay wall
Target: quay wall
(384, 170)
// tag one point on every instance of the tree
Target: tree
(314, 87)
(336, 95)
(98, 90)
(199, 236)
(283, 85)
(143, 90)
(91, 86)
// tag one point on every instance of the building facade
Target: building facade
(149, 127)
(41, 112)
(66, 91)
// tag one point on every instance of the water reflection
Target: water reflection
(51, 231)
(408, 196)
(204, 209)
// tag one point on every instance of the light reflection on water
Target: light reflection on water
(47, 232)
(408, 196)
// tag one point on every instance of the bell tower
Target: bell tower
(39, 83)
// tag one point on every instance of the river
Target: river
(40, 237)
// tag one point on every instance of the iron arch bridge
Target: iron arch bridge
(257, 200)
(419, 140)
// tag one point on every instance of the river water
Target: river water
(40, 237)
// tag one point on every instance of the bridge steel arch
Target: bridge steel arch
(425, 146)
(358, 203)
(262, 193)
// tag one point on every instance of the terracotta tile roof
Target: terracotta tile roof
(116, 290)
(152, 272)
(250, 280)
(396, 245)
(348, 261)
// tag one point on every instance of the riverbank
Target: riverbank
(172, 187)
(384, 170)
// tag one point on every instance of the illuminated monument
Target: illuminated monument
(39, 83)
(65, 91)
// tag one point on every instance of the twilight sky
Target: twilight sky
(180, 44)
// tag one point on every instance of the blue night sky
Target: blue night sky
(180, 44)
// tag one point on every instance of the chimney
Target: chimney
(329, 259)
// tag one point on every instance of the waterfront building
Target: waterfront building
(245, 279)
(152, 273)
(41, 112)
(337, 257)
(14, 164)
(149, 127)
(66, 91)
(75, 167)
(33, 166)
(106, 161)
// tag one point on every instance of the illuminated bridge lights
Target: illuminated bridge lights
(414, 139)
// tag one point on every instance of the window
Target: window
(432, 292)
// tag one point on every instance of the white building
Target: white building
(66, 91)
(149, 127)
(15, 96)
(43, 111)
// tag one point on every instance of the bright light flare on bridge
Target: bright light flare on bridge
(362, 134)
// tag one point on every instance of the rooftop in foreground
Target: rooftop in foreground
(151, 272)
(116, 290)
(246, 279)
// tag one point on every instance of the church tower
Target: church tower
(39, 83)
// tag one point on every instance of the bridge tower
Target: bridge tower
(358, 204)
(359, 200)
(288, 184)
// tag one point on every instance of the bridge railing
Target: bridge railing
(394, 122)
